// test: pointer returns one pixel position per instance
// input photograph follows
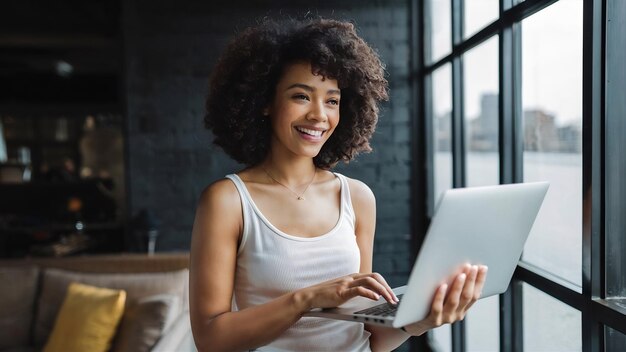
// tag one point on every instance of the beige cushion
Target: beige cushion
(137, 286)
(144, 322)
(17, 300)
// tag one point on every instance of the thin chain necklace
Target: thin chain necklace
(299, 196)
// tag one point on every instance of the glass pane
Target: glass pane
(615, 147)
(440, 29)
(481, 114)
(614, 340)
(441, 338)
(442, 130)
(482, 325)
(549, 325)
(552, 103)
(478, 14)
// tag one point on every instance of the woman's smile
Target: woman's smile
(310, 133)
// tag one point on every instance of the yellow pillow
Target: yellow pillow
(87, 320)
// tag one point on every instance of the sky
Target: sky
(551, 59)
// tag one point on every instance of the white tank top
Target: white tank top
(271, 263)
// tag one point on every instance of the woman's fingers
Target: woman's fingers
(472, 286)
(436, 309)
(392, 296)
(480, 280)
(375, 283)
(453, 299)
(454, 294)
(450, 304)
(481, 277)
(467, 295)
(360, 291)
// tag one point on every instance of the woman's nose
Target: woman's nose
(317, 112)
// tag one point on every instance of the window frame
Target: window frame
(597, 311)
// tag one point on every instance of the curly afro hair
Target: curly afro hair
(244, 80)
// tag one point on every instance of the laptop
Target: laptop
(477, 225)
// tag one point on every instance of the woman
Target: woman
(286, 235)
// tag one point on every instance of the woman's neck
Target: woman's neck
(290, 171)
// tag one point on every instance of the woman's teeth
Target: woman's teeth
(313, 133)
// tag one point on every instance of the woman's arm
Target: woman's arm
(216, 231)
(215, 237)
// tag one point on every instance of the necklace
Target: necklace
(299, 196)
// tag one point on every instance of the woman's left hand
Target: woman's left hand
(451, 305)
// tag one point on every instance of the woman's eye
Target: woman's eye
(333, 102)
(301, 97)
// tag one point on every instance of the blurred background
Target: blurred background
(102, 103)
(103, 150)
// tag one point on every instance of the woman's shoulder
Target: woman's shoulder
(363, 199)
(360, 191)
(222, 192)
(218, 215)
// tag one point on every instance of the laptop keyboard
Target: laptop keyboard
(383, 310)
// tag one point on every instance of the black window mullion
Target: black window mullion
(421, 133)
(511, 303)
(426, 25)
(517, 172)
(593, 199)
(615, 167)
(518, 128)
(457, 23)
(507, 87)
(458, 140)
(422, 38)
(511, 310)
(458, 137)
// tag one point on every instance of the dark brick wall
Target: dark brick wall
(170, 49)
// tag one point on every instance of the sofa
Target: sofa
(155, 314)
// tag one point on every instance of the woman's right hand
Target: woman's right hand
(332, 293)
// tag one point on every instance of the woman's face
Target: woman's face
(304, 112)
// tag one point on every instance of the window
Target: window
(442, 130)
(481, 114)
(482, 325)
(615, 341)
(541, 312)
(440, 27)
(528, 91)
(478, 14)
(552, 134)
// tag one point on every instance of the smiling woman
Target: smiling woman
(285, 234)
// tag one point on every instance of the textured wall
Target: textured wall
(170, 49)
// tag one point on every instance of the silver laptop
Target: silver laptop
(477, 225)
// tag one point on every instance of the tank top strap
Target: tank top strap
(246, 206)
(346, 200)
